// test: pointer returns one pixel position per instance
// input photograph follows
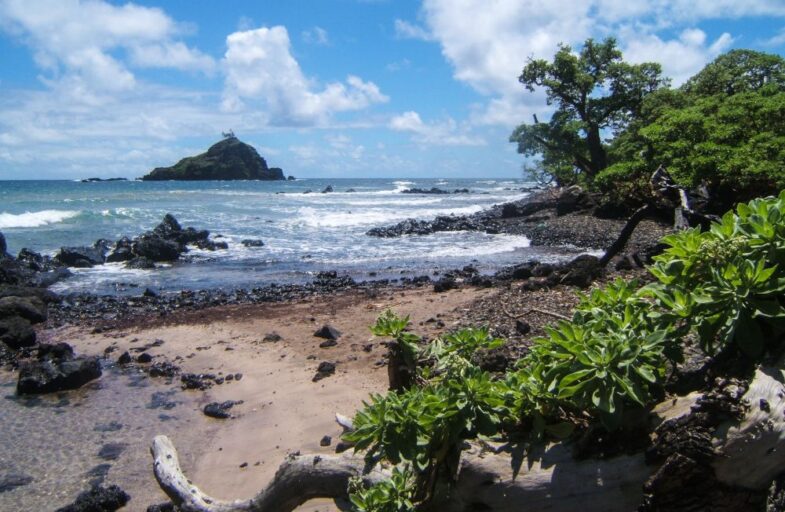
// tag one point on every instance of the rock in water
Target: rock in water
(11, 481)
(229, 159)
(3, 246)
(98, 499)
(55, 370)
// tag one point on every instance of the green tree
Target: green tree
(595, 93)
(725, 128)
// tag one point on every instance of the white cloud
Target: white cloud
(259, 66)
(172, 55)
(406, 30)
(445, 133)
(317, 35)
(75, 40)
(681, 58)
(488, 44)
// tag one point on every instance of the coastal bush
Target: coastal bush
(724, 287)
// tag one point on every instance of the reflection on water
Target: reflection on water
(100, 433)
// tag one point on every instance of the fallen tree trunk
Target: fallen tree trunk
(748, 454)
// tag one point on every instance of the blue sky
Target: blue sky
(322, 88)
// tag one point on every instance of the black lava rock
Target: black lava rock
(98, 499)
(17, 332)
(252, 243)
(55, 370)
(220, 410)
(325, 369)
(328, 332)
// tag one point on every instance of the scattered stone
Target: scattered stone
(522, 327)
(220, 410)
(444, 284)
(125, 358)
(98, 474)
(144, 357)
(326, 441)
(272, 337)
(325, 369)
(244, 465)
(328, 332)
(328, 343)
(196, 381)
(238, 376)
(98, 499)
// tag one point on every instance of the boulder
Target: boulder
(444, 284)
(328, 188)
(17, 332)
(156, 248)
(168, 228)
(328, 332)
(3, 246)
(56, 369)
(81, 256)
(141, 263)
(30, 308)
(98, 499)
(122, 251)
(582, 271)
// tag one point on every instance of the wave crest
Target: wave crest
(35, 219)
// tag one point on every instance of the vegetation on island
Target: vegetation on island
(229, 159)
(718, 291)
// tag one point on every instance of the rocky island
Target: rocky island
(229, 159)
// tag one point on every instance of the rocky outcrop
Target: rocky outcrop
(55, 369)
(434, 190)
(229, 159)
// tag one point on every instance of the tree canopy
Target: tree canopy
(724, 128)
(594, 91)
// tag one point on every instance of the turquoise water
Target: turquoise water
(303, 233)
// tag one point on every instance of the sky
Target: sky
(321, 88)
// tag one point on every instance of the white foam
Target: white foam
(35, 219)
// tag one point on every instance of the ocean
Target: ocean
(303, 233)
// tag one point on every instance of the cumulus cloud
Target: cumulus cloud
(446, 133)
(75, 40)
(260, 67)
(681, 57)
(488, 44)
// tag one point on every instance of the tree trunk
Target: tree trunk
(748, 454)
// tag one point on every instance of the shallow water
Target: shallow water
(56, 439)
(303, 233)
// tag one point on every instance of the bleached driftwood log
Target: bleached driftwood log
(750, 454)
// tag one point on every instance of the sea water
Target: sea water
(303, 233)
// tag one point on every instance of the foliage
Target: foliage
(724, 127)
(607, 357)
(393, 495)
(594, 91)
(728, 282)
(724, 286)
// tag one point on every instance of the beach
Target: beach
(258, 348)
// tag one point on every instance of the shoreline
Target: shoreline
(283, 410)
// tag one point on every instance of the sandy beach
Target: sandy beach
(283, 410)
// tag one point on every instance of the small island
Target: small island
(229, 159)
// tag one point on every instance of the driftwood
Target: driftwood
(748, 453)
(669, 195)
